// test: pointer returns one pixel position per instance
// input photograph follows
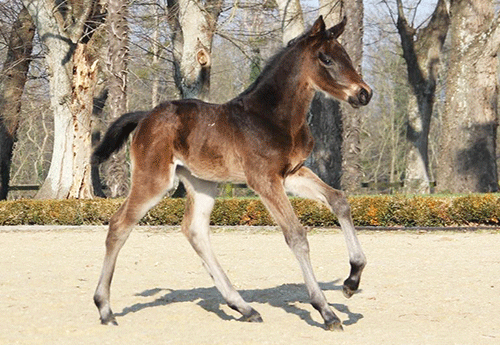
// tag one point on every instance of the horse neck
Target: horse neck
(283, 97)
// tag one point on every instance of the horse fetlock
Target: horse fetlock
(347, 291)
(254, 316)
(109, 320)
(106, 315)
(332, 322)
(335, 326)
(248, 313)
(351, 284)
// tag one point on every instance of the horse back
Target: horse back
(219, 142)
(192, 133)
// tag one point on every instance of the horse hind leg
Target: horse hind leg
(146, 191)
(196, 227)
(306, 184)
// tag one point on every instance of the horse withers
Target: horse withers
(260, 138)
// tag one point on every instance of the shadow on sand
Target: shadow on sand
(285, 296)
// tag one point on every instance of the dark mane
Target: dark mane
(272, 62)
(270, 65)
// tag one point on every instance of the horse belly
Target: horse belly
(214, 168)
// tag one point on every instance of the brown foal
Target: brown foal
(260, 138)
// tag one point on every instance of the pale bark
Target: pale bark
(422, 52)
(12, 81)
(292, 20)
(60, 28)
(467, 157)
(193, 25)
(155, 50)
(352, 40)
(117, 170)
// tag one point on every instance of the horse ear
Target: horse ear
(338, 29)
(318, 27)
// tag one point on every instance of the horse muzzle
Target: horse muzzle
(361, 98)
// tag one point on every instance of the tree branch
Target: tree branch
(493, 38)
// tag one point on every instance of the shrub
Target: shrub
(417, 211)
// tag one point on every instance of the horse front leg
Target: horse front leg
(306, 184)
(274, 197)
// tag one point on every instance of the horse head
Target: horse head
(330, 68)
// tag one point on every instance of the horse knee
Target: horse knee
(297, 241)
(339, 204)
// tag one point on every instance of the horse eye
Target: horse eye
(327, 60)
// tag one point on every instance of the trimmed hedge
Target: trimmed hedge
(408, 211)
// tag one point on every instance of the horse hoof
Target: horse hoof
(109, 321)
(335, 326)
(348, 292)
(253, 317)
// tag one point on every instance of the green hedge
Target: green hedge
(428, 211)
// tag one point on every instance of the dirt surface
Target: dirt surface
(418, 288)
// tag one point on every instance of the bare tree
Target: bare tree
(66, 29)
(12, 81)
(193, 25)
(117, 29)
(467, 157)
(352, 41)
(292, 20)
(422, 51)
(155, 51)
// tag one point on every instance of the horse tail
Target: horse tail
(116, 135)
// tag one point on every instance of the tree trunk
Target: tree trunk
(292, 20)
(155, 50)
(84, 82)
(467, 157)
(422, 55)
(352, 40)
(193, 25)
(117, 170)
(71, 79)
(325, 120)
(13, 78)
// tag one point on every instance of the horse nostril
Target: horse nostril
(364, 96)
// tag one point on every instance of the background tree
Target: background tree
(292, 20)
(383, 131)
(66, 29)
(246, 34)
(12, 80)
(352, 39)
(467, 148)
(193, 25)
(422, 52)
(117, 172)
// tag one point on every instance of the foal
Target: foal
(260, 138)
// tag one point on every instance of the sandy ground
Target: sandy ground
(418, 288)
